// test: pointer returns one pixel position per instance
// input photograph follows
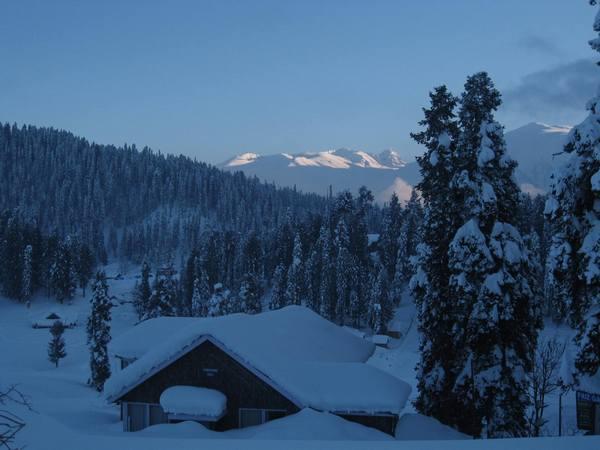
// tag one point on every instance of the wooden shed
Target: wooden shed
(266, 367)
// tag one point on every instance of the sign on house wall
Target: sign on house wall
(588, 411)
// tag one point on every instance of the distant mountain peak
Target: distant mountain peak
(537, 147)
(391, 158)
(541, 127)
(242, 160)
(342, 158)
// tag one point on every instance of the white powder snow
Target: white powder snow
(193, 401)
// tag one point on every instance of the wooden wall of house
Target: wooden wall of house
(242, 388)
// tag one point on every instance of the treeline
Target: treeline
(324, 262)
(140, 204)
(31, 260)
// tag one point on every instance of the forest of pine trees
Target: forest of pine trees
(323, 261)
(31, 260)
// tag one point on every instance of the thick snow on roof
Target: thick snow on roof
(147, 335)
(311, 360)
(193, 401)
(292, 332)
(343, 387)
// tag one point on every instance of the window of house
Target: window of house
(136, 416)
(253, 416)
(142, 415)
(157, 415)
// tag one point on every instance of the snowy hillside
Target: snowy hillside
(69, 414)
(534, 146)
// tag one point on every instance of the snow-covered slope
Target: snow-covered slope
(537, 148)
(534, 146)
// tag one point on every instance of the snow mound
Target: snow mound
(307, 424)
(416, 427)
(193, 401)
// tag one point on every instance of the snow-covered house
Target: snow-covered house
(239, 370)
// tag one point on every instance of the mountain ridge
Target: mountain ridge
(535, 146)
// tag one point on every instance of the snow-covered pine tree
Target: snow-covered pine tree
(574, 211)
(345, 269)
(328, 293)
(380, 306)
(218, 304)
(98, 332)
(27, 279)
(278, 289)
(63, 274)
(410, 236)
(142, 293)
(163, 300)
(56, 346)
(494, 315)
(430, 284)
(313, 276)
(295, 275)
(249, 295)
(388, 239)
(84, 265)
(200, 295)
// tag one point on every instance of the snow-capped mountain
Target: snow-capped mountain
(332, 159)
(535, 146)
(538, 148)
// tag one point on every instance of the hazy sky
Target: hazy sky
(211, 79)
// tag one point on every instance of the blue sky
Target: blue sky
(211, 79)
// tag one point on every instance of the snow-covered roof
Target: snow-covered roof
(147, 335)
(191, 401)
(309, 359)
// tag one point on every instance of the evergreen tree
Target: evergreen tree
(63, 274)
(84, 266)
(278, 288)
(345, 270)
(163, 300)
(142, 293)
(218, 304)
(56, 347)
(313, 276)
(494, 318)
(328, 292)
(98, 332)
(249, 295)
(11, 258)
(27, 281)
(430, 283)
(295, 276)
(574, 212)
(390, 233)
(200, 296)
(476, 312)
(380, 305)
(410, 230)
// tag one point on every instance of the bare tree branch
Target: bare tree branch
(10, 423)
